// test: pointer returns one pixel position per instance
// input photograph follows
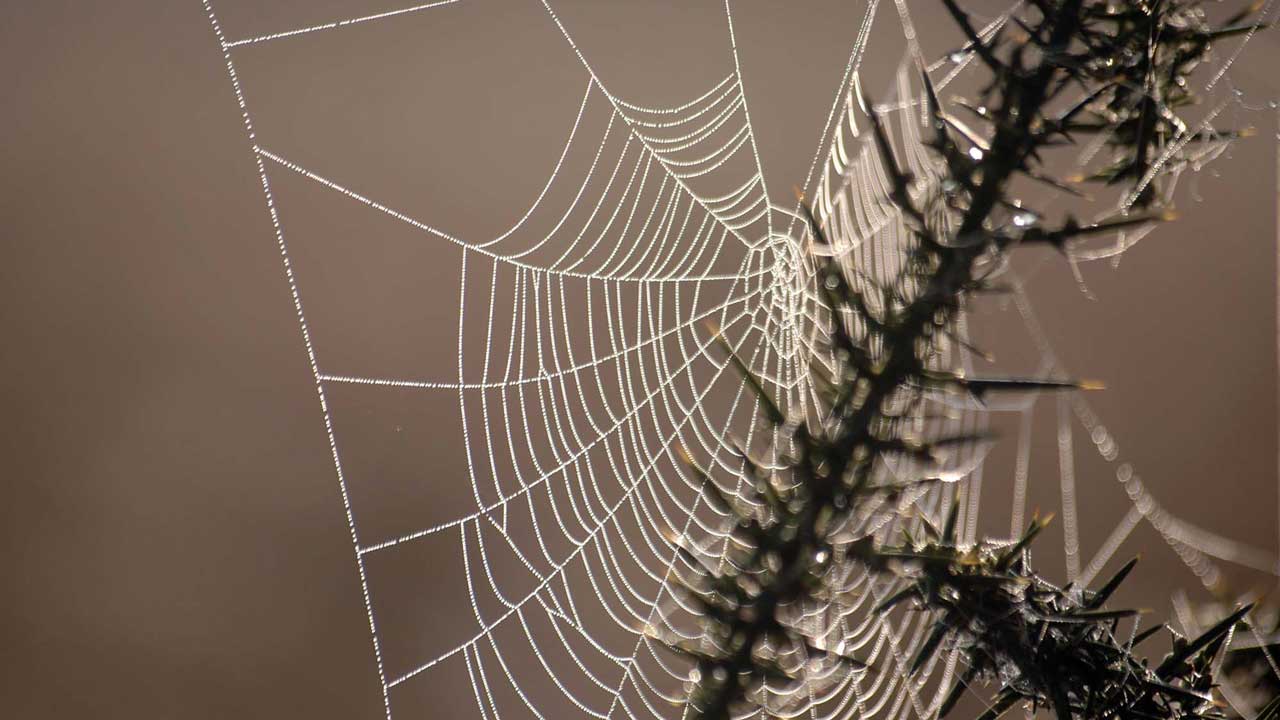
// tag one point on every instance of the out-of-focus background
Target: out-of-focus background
(176, 545)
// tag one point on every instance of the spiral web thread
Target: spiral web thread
(598, 372)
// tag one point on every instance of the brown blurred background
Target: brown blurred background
(175, 539)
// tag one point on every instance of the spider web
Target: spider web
(596, 371)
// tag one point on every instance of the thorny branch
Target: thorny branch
(1071, 68)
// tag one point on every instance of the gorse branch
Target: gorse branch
(1066, 68)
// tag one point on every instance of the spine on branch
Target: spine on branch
(1061, 70)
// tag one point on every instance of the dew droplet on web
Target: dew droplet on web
(1124, 473)
(1105, 443)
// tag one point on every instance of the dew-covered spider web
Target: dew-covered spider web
(519, 560)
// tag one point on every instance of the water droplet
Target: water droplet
(1144, 503)
(821, 556)
(1024, 219)
(975, 153)
(956, 57)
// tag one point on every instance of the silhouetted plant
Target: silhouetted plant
(1062, 69)
(1249, 666)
